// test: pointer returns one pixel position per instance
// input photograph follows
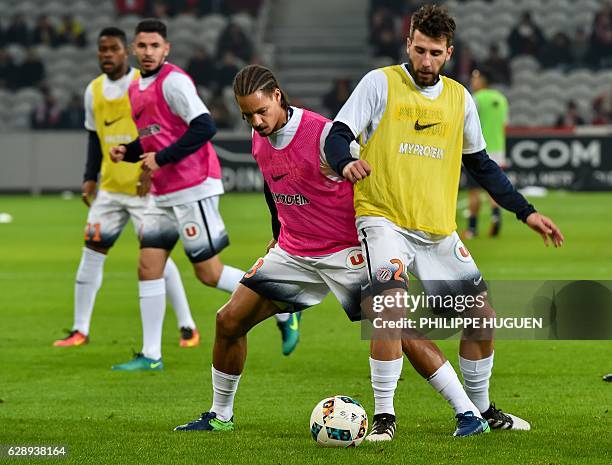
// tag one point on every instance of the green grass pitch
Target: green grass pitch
(71, 397)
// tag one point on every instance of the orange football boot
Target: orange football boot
(75, 338)
(190, 337)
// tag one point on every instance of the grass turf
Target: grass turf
(70, 396)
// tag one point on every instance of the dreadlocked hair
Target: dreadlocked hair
(254, 78)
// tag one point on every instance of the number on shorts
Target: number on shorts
(96, 232)
(253, 270)
(400, 270)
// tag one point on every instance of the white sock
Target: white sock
(282, 317)
(88, 282)
(152, 310)
(176, 295)
(446, 382)
(384, 374)
(224, 390)
(229, 279)
(476, 375)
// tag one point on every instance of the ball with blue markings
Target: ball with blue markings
(338, 421)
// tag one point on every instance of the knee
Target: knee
(148, 271)
(208, 276)
(227, 325)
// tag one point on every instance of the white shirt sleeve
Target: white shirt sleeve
(90, 120)
(473, 140)
(366, 104)
(182, 97)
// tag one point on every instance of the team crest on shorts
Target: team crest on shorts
(192, 231)
(462, 253)
(355, 260)
(384, 274)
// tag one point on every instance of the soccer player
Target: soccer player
(174, 132)
(123, 188)
(415, 128)
(315, 248)
(492, 108)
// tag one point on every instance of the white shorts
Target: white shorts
(108, 215)
(198, 224)
(443, 264)
(295, 283)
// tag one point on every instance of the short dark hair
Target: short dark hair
(114, 32)
(254, 78)
(435, 22)
(151, 25)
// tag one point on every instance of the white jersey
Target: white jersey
(364, 109)
(180, 95)
(111, 90)
(183, 100)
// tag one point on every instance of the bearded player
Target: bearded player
(416, 128)
(122, 193)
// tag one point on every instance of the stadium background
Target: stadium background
(318, 49)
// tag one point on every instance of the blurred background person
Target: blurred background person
(492, 108)
(571, 117)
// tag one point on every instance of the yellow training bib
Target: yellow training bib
(415, 155)
(114, 126)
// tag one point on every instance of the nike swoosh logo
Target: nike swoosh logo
(477, 281)
(109, 123)
(279, 177)
(420, 127)
(155, 365)
(294, 323)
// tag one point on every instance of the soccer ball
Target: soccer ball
(338, 421)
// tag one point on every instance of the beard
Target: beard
(429, 81)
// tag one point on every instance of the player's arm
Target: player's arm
(94, 151)
(276, 225)
(356, 114)
(491, 177)
(182, 98)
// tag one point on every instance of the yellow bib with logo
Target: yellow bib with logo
(415, 155)
(114, 126)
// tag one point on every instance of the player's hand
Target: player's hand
(271, 245)
(89, 192)
(117, 153)
(545, 228)
(149, 162)
(144, 183)
(356, 171)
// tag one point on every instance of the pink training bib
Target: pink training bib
(316, 213)
(158, 128)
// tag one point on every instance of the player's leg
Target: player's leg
(386, 257)
(245, 309)
(203, 234)
(158, 236)
(190, 337)
(474, 191)
(105, 221)
(275, 283)
(450, 265)
(496, 218)
(442, 267)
